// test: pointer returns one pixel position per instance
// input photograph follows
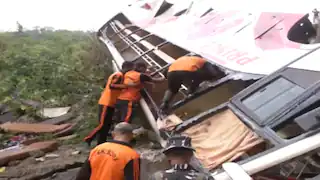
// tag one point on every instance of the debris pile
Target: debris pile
(32, 149)
(39, 149)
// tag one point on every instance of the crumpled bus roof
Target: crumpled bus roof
(244, 36)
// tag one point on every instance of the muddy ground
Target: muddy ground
(64, 163)
(41, 167)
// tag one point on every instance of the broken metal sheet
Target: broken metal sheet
(59, 120)
(33, 128)
(24, 152)
(246, 76)
(54, 112)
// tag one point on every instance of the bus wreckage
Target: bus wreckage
(263, 113)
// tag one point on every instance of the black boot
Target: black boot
(168, 96)
(88, 142)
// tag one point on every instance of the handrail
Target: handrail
(121, 30)
(139, 29)
(134, 42)
(149, 51)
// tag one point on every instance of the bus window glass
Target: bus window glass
(272, 97)
(301, 123)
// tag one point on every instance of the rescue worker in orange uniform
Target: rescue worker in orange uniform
(128, 99)
(107, 102)
(192, 70)
(113, 160)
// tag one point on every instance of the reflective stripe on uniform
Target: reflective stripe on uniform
(101, 122)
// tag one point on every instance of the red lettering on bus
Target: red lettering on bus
(246, 60)
(236, 55)
(223, 54)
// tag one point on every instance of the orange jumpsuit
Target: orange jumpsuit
(113, 160)
(128, 99)
(106, 108)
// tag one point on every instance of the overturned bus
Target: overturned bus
(263, 112)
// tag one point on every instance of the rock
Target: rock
(14, 163)
(51, 155)
(25, 119)
(54, 175)
(37, 154)
(40, 159)
(34, 104)
(67, 137)
(4, 109)
(155, 145)
(76, 152)
(6, 117)
(70, 174)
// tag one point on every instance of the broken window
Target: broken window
(303, 167)
(163, 8)
(301, 122)
(180, 12)
(302, 31)
(209, 10)
(272, 97)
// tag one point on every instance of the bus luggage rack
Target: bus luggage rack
(143, 54)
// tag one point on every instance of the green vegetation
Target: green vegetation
(55, 68)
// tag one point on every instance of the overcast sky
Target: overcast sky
(60, 14)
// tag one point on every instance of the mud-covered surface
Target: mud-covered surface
(66, 175)
(42, 166)
(65, 162)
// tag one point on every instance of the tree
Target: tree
(19, 27)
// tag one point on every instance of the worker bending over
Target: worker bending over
(113, 160)
(107, 102)
(179, 153)
(129, 98)
(191, 70)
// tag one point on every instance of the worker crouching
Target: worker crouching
(190, 70)
(113, 160)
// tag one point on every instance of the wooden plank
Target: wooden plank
(24, 152)
(33, 128)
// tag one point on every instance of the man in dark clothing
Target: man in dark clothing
(114, 159)
(179, 153)
(128, 99)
